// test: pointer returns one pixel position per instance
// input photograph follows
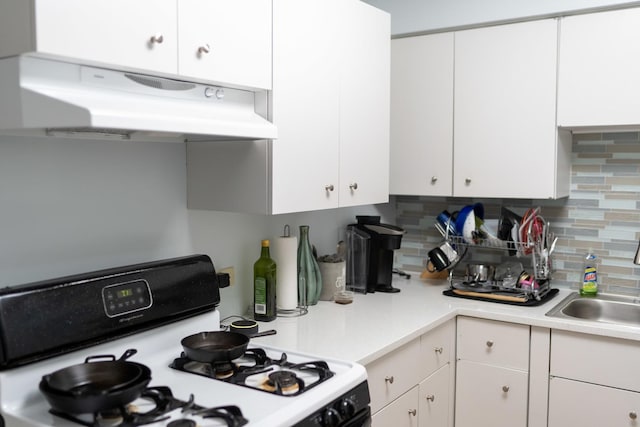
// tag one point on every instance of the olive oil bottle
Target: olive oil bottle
(264, 286)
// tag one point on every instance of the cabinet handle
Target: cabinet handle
(205, 48)
(353, 186)
(157, 38)
(633, 415)
(467, 181)
(328, 187)
(388, 379)
(489, 343)
(505, 388)
(430, 397)
(434, 179)
(413, 412)
(438, 350)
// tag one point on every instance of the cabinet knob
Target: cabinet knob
(438, 350)
(489, 343)
(388, 379)
(467, 181)
(633, 415)
(204, 49)
(353, 186)
(505, 388)
(430, 397)
(413, 412)
(434, 179)
(328, 187)
(157, 38)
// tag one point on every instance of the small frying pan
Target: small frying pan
(216, 346)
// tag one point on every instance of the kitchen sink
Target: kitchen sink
(605, 308)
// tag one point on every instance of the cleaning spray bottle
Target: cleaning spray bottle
(589, 285)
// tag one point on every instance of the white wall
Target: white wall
(415, 16)
(73, 206)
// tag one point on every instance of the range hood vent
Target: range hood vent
(71, 100)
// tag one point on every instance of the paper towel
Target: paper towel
(285, 254)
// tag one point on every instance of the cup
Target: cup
(441, 257)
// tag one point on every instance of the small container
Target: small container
(589, 286)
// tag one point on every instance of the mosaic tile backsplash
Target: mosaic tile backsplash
(601, 213)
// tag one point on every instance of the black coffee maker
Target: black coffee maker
(370, 247)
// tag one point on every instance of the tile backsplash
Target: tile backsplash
(601, 213)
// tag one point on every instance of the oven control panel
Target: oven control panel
(124, 298)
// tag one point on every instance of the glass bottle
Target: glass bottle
(264, 286)
(309, 279)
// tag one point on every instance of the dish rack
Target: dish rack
(532, 239)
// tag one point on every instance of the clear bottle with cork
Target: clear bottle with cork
(589, 286)
(264, 286)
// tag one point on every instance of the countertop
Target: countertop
(378, 323)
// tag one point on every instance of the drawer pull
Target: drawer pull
(430, 397)
(505, 388)
(489, 343)
(633, 415)
(388, 379)
(328, 187)
(439, 350)
(413, 412)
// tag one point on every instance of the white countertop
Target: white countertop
(375, 324)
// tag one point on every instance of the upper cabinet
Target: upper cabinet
(476, 115)
(227, 42)
(330, 102)
(599, 68)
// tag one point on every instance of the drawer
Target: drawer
(437, 348)
(393, 374)
(496, 343)
(601, 360)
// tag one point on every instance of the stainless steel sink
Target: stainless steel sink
(603, 308)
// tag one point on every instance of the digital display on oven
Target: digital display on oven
(124, 298)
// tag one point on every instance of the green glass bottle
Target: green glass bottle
(264, 286)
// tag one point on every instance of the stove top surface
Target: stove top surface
(23, 404)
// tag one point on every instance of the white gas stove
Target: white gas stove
(263, 387)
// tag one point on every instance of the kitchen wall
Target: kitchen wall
(601, 212)
(420, 16)
(70, 206)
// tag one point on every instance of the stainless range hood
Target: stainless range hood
(59, 98)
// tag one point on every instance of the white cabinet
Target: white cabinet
(422, 115)
(500, 121)
(492, 373)
(227, 42)
(330, 102)
(599, 65)
(590, 388)
(506, 141)
(413, 385)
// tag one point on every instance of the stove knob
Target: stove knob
(331, 418)
(347, 408)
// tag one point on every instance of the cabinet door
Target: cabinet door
(364, 103)
(490, 396)
(433, 399)
(116, 32)
(605, 91)
(505, 109)
(305, 106)
(574, 403)
(437, 348)
(402, 412)
(227, 41)
(422, 115)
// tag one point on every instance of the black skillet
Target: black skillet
(215, 346)
(96, 386)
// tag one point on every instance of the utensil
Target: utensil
(216, 346)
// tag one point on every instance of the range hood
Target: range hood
(60, 98)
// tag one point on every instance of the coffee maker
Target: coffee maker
(370, 247)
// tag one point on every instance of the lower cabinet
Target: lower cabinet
(413, 385)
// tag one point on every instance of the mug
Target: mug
(441, 257)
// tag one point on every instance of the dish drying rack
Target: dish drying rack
(532, 238)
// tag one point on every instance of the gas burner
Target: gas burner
(256, 370)
(283, 382)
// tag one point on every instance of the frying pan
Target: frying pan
(95, 386)
(216, 346)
